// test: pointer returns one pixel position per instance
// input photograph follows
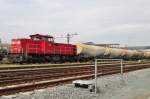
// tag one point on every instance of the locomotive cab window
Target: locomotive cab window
(34, 38)
(51, 39)
(42, 37)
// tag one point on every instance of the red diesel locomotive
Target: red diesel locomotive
(41, 48)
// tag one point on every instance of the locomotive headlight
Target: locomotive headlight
(18, 42)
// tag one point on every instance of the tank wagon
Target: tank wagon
(106, 52)
(43, 48)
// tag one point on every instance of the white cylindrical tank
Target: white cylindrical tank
(90, 50)
(129, 53)
(140, 54)
(114, 52)
(147, 54)
(135, 53)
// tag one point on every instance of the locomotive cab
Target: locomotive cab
(42, 37)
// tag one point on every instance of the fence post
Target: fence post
(122, 70)
(95, 76)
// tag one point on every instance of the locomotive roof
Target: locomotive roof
(40, 35)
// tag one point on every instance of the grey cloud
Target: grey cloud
(102, 21)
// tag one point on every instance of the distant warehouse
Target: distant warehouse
(104, 45)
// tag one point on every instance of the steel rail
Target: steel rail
(57, 80)
(52, 65)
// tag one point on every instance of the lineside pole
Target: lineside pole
(122, 69)
(95, 76)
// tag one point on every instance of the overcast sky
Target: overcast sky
(101, 21)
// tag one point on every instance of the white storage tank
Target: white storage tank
(114, 52)
(140, 54)
(90, 49)
(129, 53)
(147, 54)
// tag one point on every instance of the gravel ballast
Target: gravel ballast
(134, 86)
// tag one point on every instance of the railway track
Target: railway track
(9, 77)
(30, 79)
(31, 66)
